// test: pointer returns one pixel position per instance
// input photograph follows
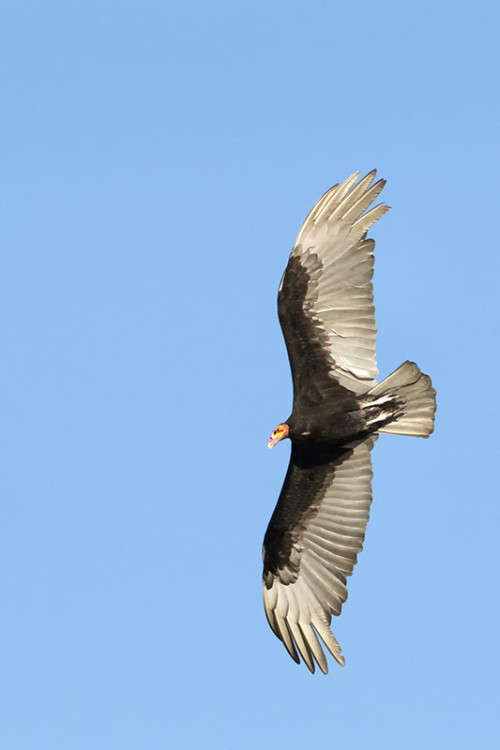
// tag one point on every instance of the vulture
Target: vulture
(326, 312)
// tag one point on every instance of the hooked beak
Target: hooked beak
(278, 434)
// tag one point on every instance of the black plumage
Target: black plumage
(325, 307)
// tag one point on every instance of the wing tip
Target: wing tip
(303, 637)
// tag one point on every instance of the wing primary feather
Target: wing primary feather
(315, 211)
(321, 624)
(351, 197)
(334, 196)
(364, 223)
(323, 630)
(285, 636)
(302, 644)
(270, 615)
(356, 210)
(311, 639)
(340, 195)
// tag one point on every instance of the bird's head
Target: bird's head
(278, 434)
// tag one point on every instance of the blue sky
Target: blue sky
(158, 160)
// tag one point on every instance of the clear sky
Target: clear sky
(158, 159)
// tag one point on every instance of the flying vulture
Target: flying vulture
(326, 312)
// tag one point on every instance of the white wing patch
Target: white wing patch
(341, 299)
(300, 611)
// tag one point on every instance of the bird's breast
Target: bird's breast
(327, 425)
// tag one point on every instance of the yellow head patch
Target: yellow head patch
(278, 434)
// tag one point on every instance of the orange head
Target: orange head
(278, 434)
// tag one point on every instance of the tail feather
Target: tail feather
(414, 397)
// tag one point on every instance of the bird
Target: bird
(327, 315)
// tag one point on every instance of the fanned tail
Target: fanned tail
(409, 395)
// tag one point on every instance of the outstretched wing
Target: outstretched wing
(311, 546)
(325, 299)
